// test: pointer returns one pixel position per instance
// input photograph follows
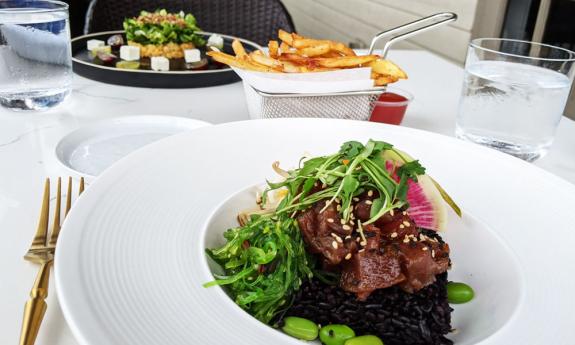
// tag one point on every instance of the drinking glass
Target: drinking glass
(514, 94)
(35, 54)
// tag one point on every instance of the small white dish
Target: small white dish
(89, 150)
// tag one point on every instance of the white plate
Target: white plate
(130, 260)
(89, 150)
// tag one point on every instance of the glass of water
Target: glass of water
(514, 94)
(35, 58)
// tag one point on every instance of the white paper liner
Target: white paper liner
(353, 79)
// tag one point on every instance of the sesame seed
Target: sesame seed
(391, 212)
(334, 244)
(401, 226)
(357, 239)
(337, 201)
(347, 237)
(368, 202)
(361, 251)
(404, 213)
(393, 235)
(346, 227)
(370, 193)
(363, 243)
(330, 220)
(348, 256)
(337, 238)
(351, 222)
(338, 208)
(405, 239)
(432, 253)
(356, 199)
(406, 223)
(421, 237)
(424, 248)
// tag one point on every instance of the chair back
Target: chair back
(255, 20)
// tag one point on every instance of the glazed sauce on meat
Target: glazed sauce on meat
(390, 251)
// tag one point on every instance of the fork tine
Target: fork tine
(69, 195)
(56, 224)
(42, 230)
(81, 186)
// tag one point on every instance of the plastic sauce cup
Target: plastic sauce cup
(391, 105)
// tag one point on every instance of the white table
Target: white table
(27, 144)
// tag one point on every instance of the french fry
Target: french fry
(301, 43)
(266, 61)
(346, 61)
(273, 47)
(290, 67)
(382, 80)
(286, 37)
(342, 48)
(295, 58)
(238, 49)
(294, 53)
(239, 63)
(315, 50)
(387, 67)
(331, 54)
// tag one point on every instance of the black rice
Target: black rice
(397, 317)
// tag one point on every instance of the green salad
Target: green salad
(161, 27)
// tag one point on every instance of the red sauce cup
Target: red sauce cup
(390, 107)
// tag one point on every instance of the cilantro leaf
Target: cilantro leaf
(381, 146)
(411, 169)
(349, 150)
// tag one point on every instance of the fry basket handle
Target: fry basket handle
(410, 29)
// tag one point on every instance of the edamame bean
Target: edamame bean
(300, 328)
(459, 293)
(364, 340)
(335, 334)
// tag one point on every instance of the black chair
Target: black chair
(255, 20)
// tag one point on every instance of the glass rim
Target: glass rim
(60, 6)
(475, 43)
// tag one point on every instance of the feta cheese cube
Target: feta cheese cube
(192, 55)
(216, 41)
(92, 44)
(100, 49)
(160, 63)
(130, 53)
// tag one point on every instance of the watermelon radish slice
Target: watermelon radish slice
(426, 197)
(426, 206)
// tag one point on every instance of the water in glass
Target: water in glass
(511, 106)
(514, 93)
(35, 58)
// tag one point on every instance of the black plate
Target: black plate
(84, 66)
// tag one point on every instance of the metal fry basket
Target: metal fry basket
(352, 105)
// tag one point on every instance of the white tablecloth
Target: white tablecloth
(27, 144)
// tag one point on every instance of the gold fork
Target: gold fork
(41, 251)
